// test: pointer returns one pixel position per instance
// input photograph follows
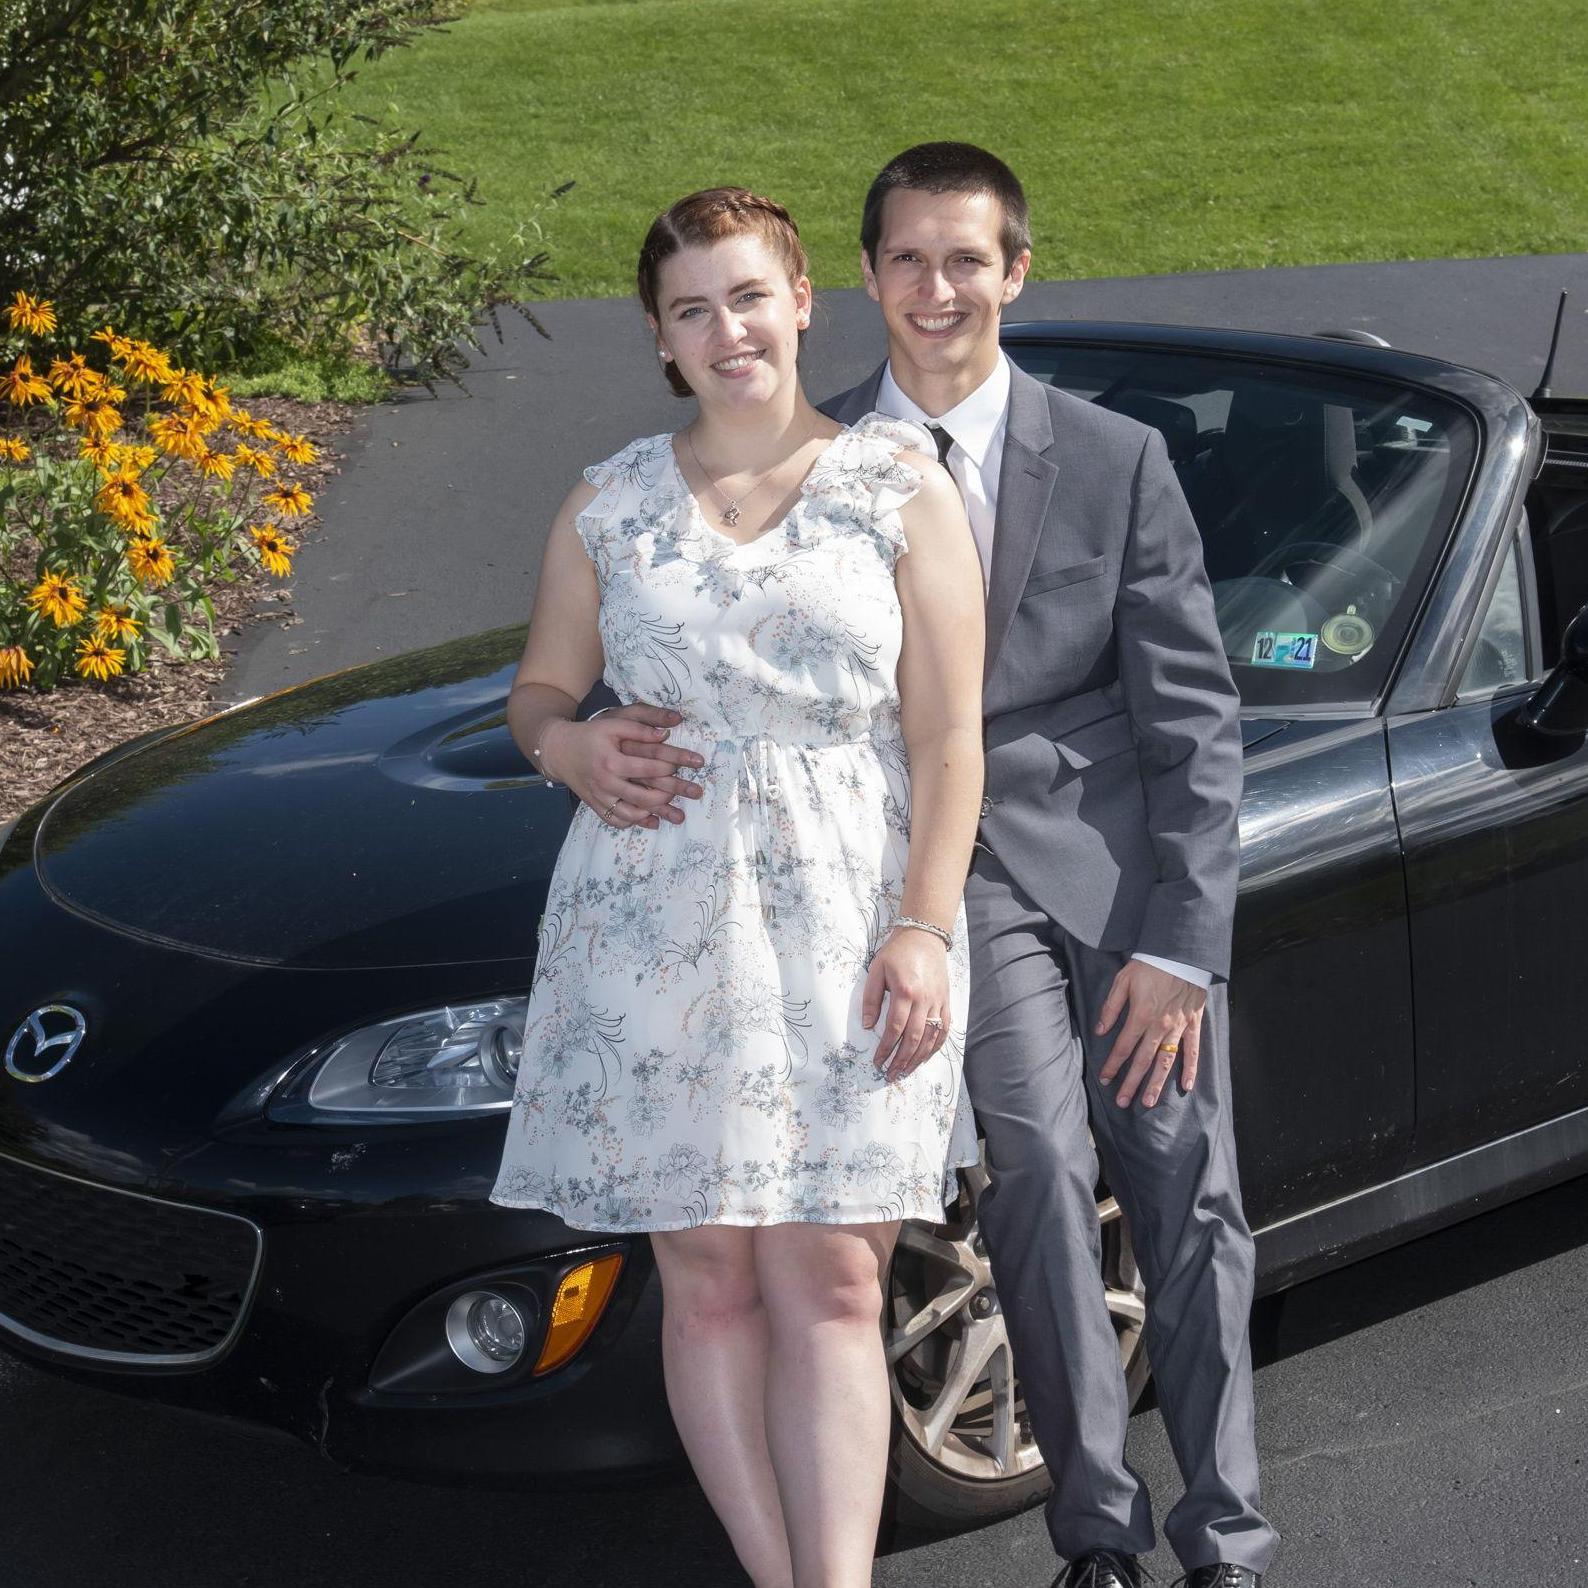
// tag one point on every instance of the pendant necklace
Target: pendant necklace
(730, 509)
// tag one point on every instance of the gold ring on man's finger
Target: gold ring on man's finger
(1170, 1048)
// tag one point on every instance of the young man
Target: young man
(1103, 889)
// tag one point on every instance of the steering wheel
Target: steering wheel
(1341, 561)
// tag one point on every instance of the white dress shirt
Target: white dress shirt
(976, 425)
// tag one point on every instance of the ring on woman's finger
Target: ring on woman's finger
(934, 1025)
(606, 815)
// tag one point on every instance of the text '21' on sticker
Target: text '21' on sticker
(1284, 650)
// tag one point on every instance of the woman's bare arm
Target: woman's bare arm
(561, 662)
(939, 675)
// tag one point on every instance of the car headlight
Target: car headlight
(459, 1059)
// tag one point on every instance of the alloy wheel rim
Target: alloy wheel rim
(950, 1366)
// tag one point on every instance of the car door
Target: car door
(1325, 496)
(1494, 828)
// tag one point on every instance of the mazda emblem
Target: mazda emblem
(54, 1032)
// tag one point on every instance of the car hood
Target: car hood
(378, 817)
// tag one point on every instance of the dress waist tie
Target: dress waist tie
(758, 786)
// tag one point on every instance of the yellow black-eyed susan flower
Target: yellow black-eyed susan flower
(186, 386)
(97, 659)
(112, 338)
(214, 402)
(205, 420)
(33, 315)
(106, 456)
(150, 560)
(16, 667)
(215, 465)
(22, 386)
(146, 363)
(254, 458)
(298, 449)
(178, 434)
(122, 498)
(291, 501)
(112, 623)
(275, 549)
(58, 597)
(73, 377)
(255, 429)
(14, 450)
(95, 417)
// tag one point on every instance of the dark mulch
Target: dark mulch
(43, 737)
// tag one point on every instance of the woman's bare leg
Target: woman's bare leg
(714, 1356)
(827, 1401)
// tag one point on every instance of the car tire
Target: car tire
(963, 1453)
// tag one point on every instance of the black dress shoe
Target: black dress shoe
(1101, 1568)
(1224, 1575)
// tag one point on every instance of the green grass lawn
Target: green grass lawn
(1152, 135)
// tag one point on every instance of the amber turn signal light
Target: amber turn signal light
(581, 1299)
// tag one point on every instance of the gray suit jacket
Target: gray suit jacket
(1113, 777)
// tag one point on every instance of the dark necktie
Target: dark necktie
(944, 441)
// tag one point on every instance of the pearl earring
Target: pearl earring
(663, 354)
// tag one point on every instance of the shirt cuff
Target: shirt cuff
(1197, 978)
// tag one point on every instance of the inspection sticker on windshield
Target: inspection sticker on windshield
(1284, 650)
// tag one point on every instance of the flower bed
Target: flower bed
(143, 518)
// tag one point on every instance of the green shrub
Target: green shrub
(184, 166)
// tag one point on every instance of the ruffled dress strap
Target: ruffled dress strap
(622, 482)
(864, 465)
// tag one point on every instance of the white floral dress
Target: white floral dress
(693, 1051)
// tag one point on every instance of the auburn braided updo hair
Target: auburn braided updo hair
(708, 217)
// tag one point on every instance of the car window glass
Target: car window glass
(1324, 499)
(1500, 656)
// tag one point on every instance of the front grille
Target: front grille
(115, 1276)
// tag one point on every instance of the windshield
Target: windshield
(1324, 499)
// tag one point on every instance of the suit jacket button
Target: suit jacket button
(986, 807)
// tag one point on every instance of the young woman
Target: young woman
(744, 1035)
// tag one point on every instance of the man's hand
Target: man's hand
(1164, 1025)
(620, 765)
(655, 717)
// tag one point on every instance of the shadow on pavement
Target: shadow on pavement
(101, 1487)
(1407, 1278)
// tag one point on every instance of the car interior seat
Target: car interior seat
(1287, 469)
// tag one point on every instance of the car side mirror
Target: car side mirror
(1559, 706)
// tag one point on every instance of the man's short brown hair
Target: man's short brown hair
(950, 168)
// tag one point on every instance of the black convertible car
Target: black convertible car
(263, 978)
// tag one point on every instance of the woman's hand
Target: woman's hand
(911, 967)
(627, 784)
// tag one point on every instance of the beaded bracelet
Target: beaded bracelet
(538, 752)
(537, 755)
(925, 926)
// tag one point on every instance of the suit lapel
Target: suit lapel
(1025, 491)
(859, 400)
